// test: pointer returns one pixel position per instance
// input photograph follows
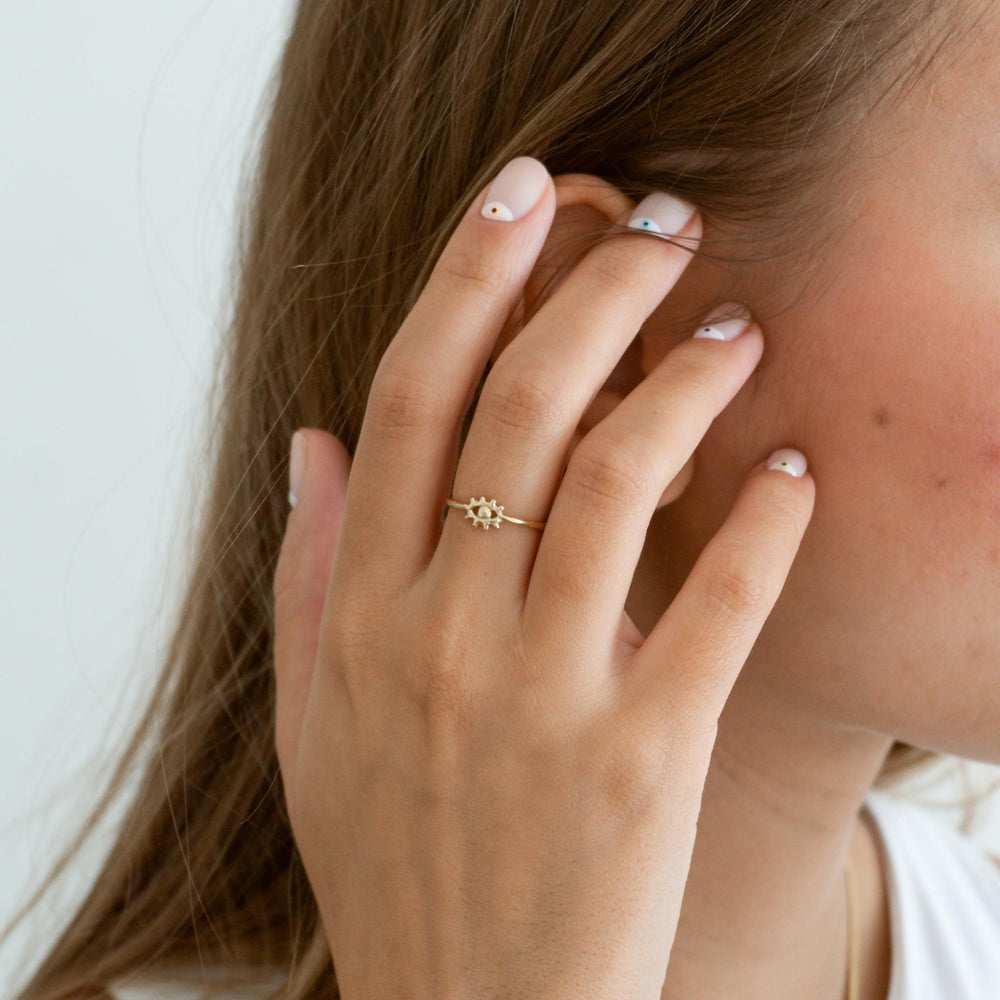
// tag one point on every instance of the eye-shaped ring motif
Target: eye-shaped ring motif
(484, 513)
(488, 514)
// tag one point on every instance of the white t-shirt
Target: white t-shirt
(944, 909)
(177, 991)
(944, 905)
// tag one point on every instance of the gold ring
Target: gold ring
(488, 514)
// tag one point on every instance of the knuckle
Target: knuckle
(735, 591)
(632, 771)
(522, 399)
(348, 637)
(607, 471)
(402, 398)
(446, 692)
(649, 756)
(482, 271)
(438, 678)
(622, 785)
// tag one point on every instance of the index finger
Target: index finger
(407, 450)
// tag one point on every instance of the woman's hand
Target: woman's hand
(492, 778)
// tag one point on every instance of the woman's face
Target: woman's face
(888, 380)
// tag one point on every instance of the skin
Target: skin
(884, 374)
(880, 368)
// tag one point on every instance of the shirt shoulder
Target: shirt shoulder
(944, 904)
(190, 985)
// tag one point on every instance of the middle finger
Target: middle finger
(534, 396)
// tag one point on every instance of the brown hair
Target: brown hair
(383, 121)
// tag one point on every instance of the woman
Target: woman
(443, 753)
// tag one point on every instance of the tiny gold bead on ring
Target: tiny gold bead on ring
(488, 514)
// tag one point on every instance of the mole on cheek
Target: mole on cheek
(882, 417)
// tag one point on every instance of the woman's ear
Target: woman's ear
(585, 204)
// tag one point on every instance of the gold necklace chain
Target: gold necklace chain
(852, 935)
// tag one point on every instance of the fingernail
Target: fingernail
(296, 467)
(788, 460)
(516, 189)
(661, 213)
(726, 322)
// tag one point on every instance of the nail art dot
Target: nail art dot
(793, 462)
(497, 210)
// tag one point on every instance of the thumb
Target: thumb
(318, 473)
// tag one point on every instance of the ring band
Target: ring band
(488, 513)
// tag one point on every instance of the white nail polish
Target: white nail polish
(660, 212)
(788, 460)
(516, 190)
(722, 328)
(296, 468)
(727, 329)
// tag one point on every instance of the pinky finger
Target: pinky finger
(683, 673)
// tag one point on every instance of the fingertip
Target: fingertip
(516, 190)
(785, 464)
(790, 463)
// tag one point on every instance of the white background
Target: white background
(122, 126)
(123, 129)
